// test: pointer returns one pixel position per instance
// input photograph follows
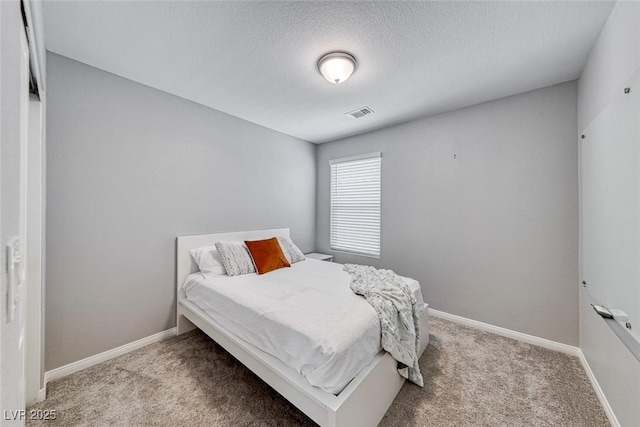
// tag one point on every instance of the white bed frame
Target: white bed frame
(363, 402)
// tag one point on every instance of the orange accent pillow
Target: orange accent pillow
(267, 255)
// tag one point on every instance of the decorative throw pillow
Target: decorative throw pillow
(208, 261)
(235, 258)
(267, 255)
(290, 250)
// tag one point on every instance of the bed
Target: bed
(362, 400)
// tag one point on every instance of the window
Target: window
(355, 204)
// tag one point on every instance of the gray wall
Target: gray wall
(613, 60)
(130, 168)
(491, 235)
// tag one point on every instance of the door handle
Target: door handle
(15, 279)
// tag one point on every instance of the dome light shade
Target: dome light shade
(337, 67)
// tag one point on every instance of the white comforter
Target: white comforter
(307, 316)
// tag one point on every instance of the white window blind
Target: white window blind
(355, 204)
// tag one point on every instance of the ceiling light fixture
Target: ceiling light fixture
(337, 67)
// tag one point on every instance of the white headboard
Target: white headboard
(184, 262)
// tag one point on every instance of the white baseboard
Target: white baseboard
(69, 369)
(596, 387)
(42, 394)
(529, 339)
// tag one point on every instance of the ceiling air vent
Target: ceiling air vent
(360, 112)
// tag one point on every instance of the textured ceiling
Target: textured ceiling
(257, 60)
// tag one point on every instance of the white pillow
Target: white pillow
(291, 251)
(208, 261)
(236, 258)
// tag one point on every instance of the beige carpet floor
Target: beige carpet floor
(472, 378)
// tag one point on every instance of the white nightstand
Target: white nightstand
(321, 257)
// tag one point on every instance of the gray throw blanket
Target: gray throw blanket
(392, 299)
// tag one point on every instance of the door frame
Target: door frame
(34, 254)
(34, 386)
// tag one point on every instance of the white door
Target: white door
(14, 128)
